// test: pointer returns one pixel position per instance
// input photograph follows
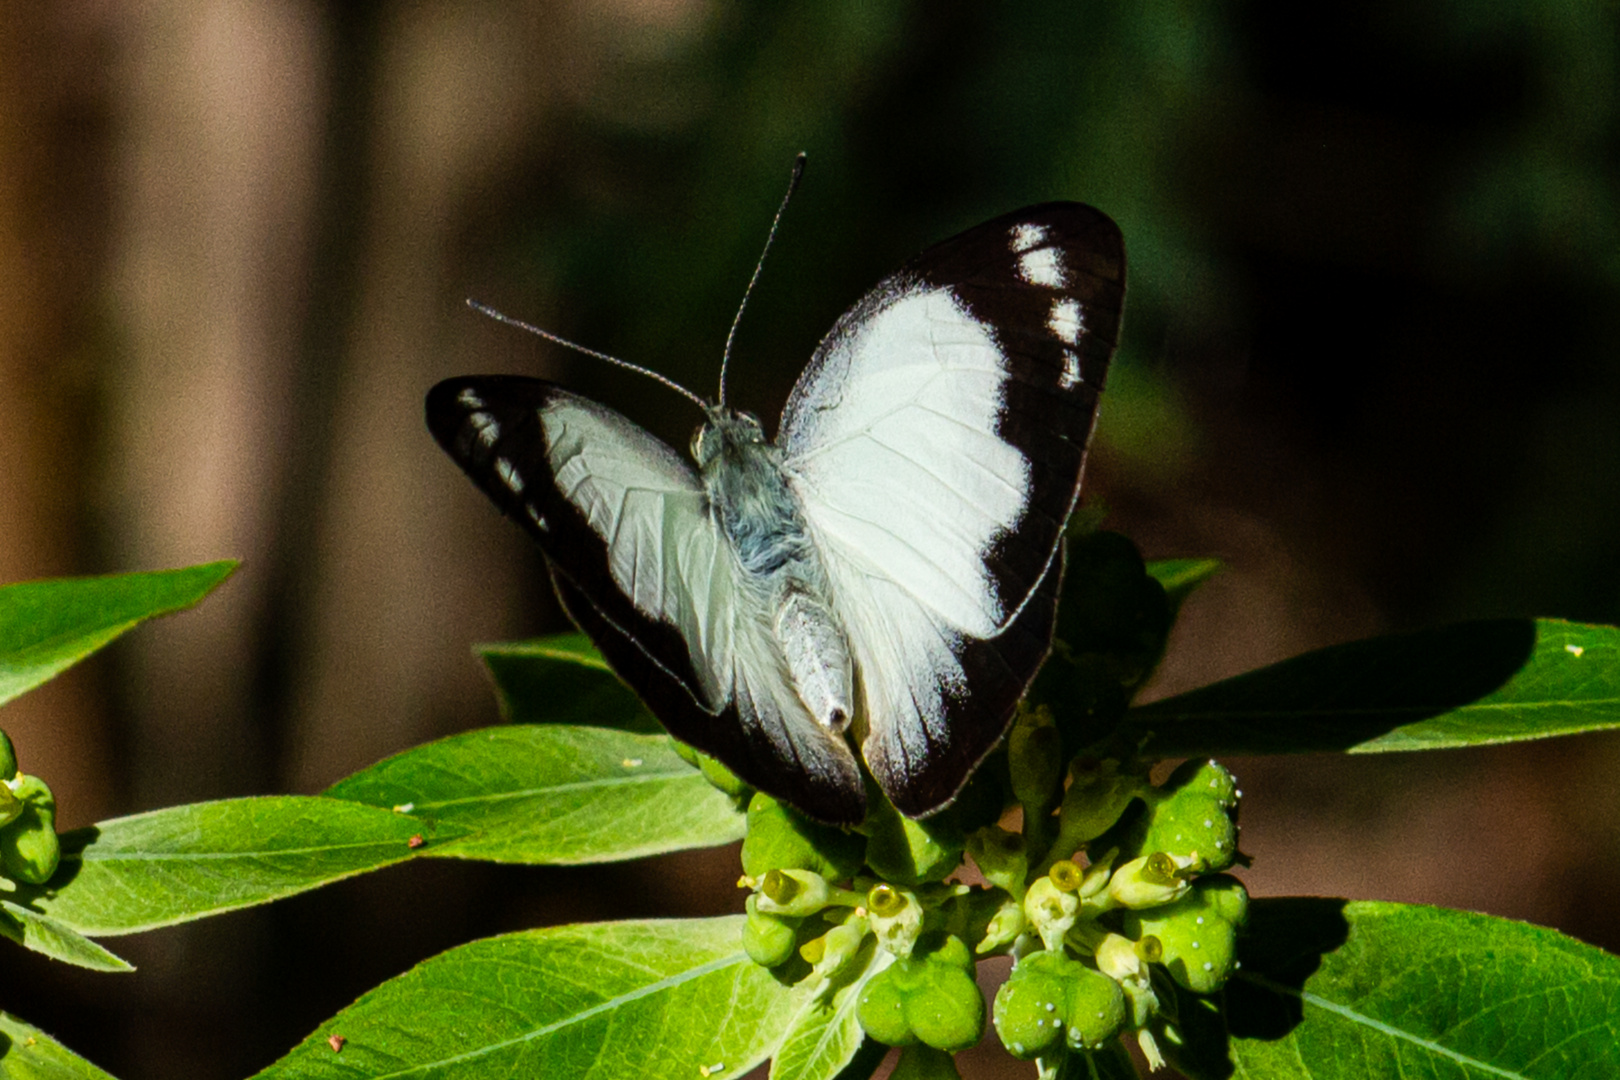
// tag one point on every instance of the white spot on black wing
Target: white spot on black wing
(509, 475)
(1071, 370)
(1042, 267)
(1026, 235)
(487, 427)
(1067, 322)
(469, 397)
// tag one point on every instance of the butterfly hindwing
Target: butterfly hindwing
(935, 442)
(640, 564)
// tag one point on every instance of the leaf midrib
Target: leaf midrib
(668, 982)
(1348, 1013)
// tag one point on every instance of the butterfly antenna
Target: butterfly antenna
(485, 309)
(793, 184)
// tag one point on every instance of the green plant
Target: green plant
(1118, 894)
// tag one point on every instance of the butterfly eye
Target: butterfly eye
(698, 447)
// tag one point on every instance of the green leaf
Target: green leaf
(825, 1037)
(44, 935)
(27, 1053)
(1473, 684)
(1181, 576)
(552, 793)
(188, 862)
(48, 626)
(1330, 989)
(606, 1000)
(562, 680)
(1112, 621)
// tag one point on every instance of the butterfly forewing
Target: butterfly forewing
(641, 565)
(936, 442)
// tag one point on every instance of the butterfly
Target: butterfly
(887, 567)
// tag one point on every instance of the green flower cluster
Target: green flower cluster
(1110, 895)
(1129, 895)
(1125, 900)
(29, 850)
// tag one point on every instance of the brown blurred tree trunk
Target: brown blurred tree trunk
(53, 210)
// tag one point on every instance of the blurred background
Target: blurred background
(1371, 359)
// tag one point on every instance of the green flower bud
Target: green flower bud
(792, 892)
(1050, 911)
(1149, 881)
(836, 953)
(896, 916)
(29, 850)
(938, 1002)
(767, 939)
(1004, 927)
(1097, 1008)
(909, 852)
(1121, 960)
(1032, 1006)
(945, 1010)
(11, 807)
(1050, 1001)
(953, 951)
(8, 758)
(1000, 857)
(781, 838)
(1198, 934)
(842, 943)
(1098, 794)
(1194, 815)
(1034, 757)
(881, 1010)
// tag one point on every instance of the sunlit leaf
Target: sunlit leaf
(612, 1001)
(188, 862)
(27, 1053)
(552, 793)
(45, 935)
(1330, 990)
(48, 626)
(825, 1037)
(1468, 685)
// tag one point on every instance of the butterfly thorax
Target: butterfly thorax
(762, 520)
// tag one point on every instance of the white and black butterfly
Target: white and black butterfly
(890, 562)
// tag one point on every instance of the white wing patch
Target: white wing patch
(907, 658)
(664, 551)
(894, 453)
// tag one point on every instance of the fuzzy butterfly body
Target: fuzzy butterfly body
(887, 567)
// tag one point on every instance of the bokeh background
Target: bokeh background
(1371, 359)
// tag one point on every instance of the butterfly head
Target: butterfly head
(724, 430)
